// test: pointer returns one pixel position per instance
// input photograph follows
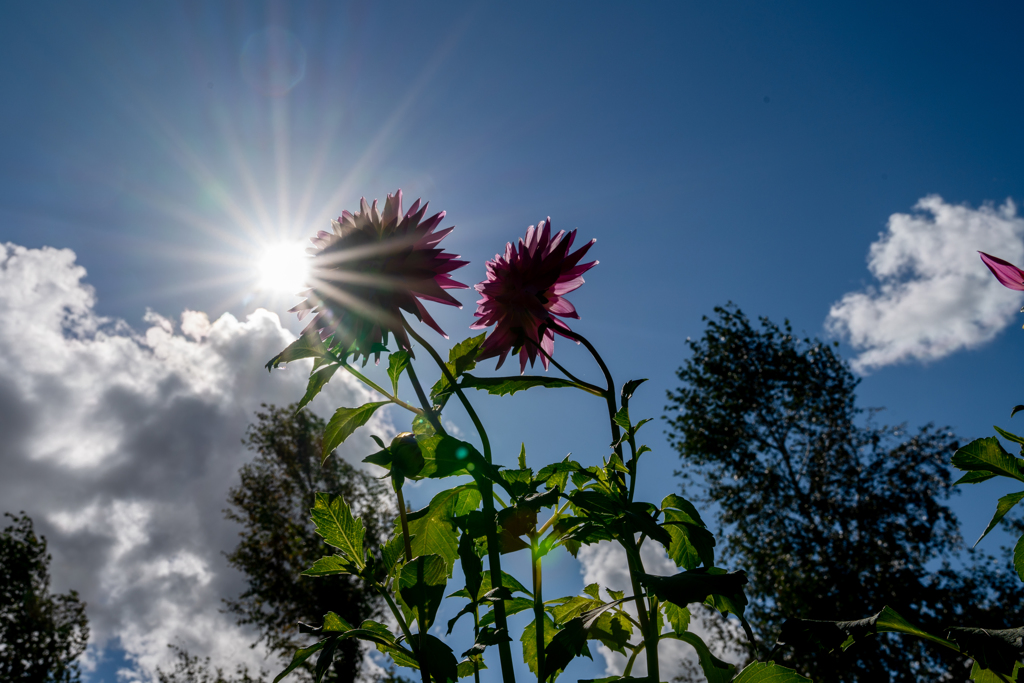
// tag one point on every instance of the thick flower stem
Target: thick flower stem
(405, 522)
(609, 394)
(428, 410)
(487, 494)
(647, 624)
(538, 605)
(586, 386)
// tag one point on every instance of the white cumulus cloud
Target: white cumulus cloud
(122, 445)
(934, 295)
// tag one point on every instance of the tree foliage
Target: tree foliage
(278, 541)
(832, 515)
(41, 635)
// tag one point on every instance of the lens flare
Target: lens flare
(283, 268)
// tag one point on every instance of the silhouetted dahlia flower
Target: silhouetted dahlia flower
(370, 268)
(525, 290)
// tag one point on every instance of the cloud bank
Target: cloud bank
(122, 446)
(934, 295)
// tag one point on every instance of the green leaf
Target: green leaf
(1018, 557)
(393, 553)
(344, 422)
(432, 529)
(385, 641)
(522, 457)
(573, 607)
(1016, 409)
(678, 617)
(622, 418)
(500, 386)
(507, 581)
(1003, 505)
(397, 363)
(334, 521)
(987, 455)
(306, 346)
(995, 649)
(629, 388)
(613, 631)
(691, 545)
(332, 564)
(317, 381)
(1008, 436)
(486, 637)
(421, 585)
(715, 670)
(472, 566)
(974, 478)
(299, 658)
(325, 659)
(470, 665)
(684, 506)
(447, 456)
(333, 622)
(461, 359)
(695, 585)
(830, 635)
(529, 641)
(438, 658)
(571, 641)
(980, 675)
(769, 672)
(513, 606)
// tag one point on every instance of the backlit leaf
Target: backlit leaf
(769, 672)
(334, 521)
(1003, 505)
(500, 386)
(299, 658)
(421, 585)
(317, 381)
(715, 670)
(432, 528)
(995, 649)
(344, 422)
(987, 455)
(306, 346)
(397, 363)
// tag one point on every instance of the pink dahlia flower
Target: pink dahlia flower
(525, 289)
(370, 268)
(1008, 274)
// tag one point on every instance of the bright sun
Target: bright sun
(283, 268)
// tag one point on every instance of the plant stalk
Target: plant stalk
(373, 385)
(405, 522)
(400, 618)
(487, 494)
(538, 605)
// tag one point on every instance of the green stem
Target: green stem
(591, 388)
(609, 394)
(486, 493)
(428, 410)
(647, 625)
(400, 618)
(538, 605)
(373, 385)
(405, 522)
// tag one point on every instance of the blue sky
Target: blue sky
(718, 152)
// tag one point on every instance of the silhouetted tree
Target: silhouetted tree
(832, 516)
(278, 540)
(41, 635)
